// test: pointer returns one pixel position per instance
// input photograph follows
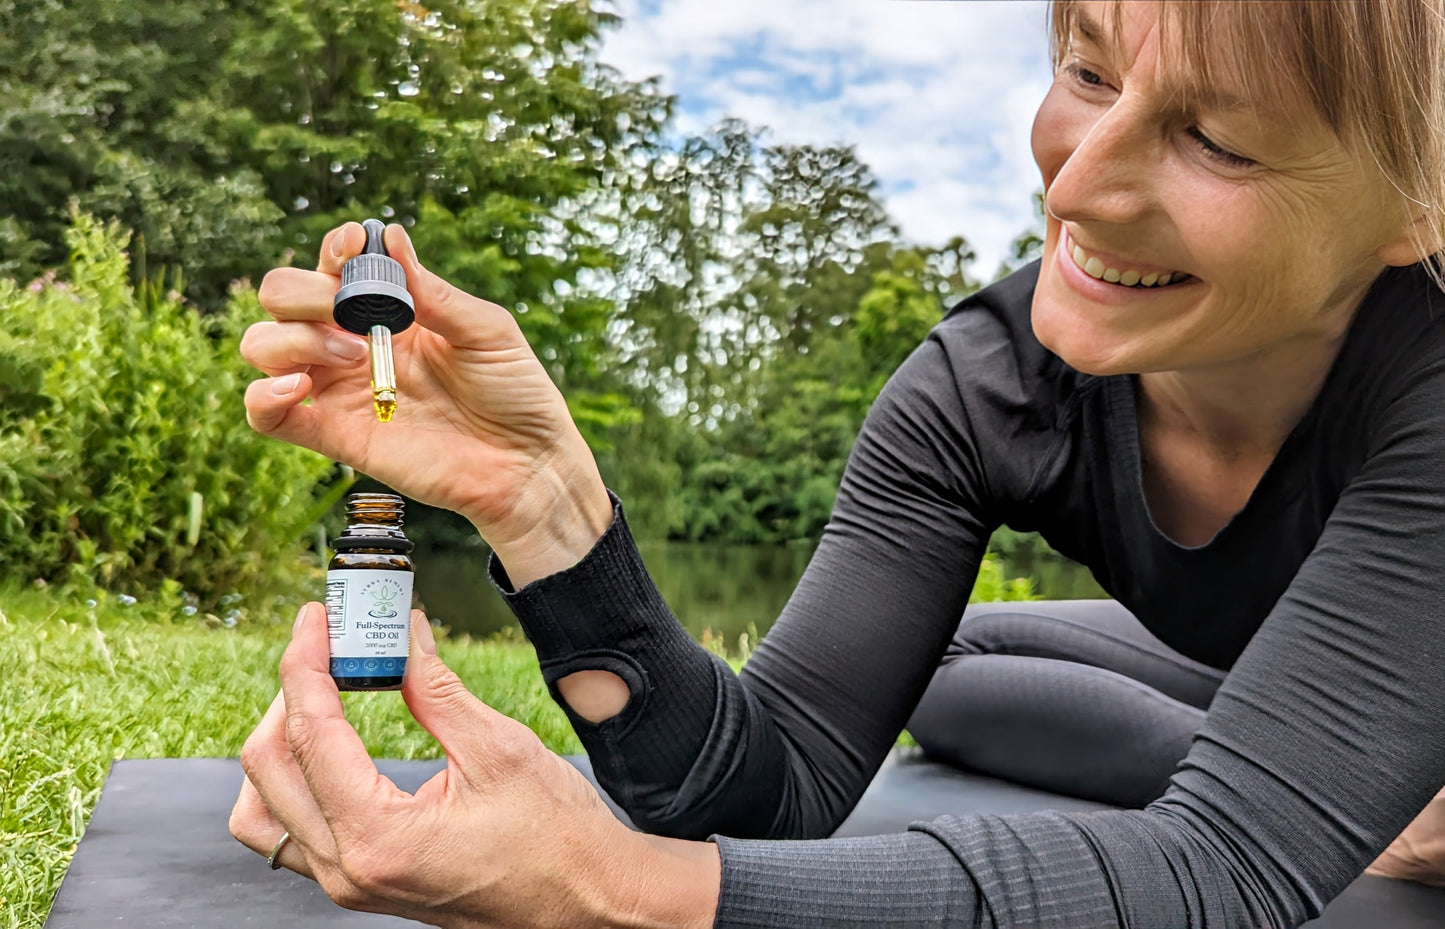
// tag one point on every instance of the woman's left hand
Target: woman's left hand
(508, 834)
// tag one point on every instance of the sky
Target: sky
(936, 96)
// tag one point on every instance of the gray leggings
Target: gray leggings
(1071, 696)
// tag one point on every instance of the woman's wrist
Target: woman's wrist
(554, 527)
(669, 883)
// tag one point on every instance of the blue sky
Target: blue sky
(937, 96)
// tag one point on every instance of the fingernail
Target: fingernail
(338, 244)
(282, 386)
(424, 637)
(344, 347)
(300, 619)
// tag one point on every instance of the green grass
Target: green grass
(90, 679)
(86, 685)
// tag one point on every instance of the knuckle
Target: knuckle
(239, 824)
(368, 873)
(300, 732)
(514, 746)
(271, 285)
(250, 340)
(342, 892)
(252, 757)
(444, 295)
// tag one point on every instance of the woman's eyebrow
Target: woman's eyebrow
(1088, 27)
(1183, 87)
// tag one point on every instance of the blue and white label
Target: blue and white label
(368, 614)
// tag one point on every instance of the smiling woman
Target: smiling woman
(1222, 389)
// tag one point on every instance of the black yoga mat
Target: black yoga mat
(158, 854)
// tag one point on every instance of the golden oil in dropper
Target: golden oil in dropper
(383, 373)
(373, 301)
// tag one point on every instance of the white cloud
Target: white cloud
(938, 97)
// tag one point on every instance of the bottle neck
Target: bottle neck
(374, 522)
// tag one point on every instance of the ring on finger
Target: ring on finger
(273, 860)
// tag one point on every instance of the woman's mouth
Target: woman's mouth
(1098, 269)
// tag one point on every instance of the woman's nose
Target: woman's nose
(1107, 175)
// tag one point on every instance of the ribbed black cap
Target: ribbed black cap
(373, 288)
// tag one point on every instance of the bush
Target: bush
(125, 458)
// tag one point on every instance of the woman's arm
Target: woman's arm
(1320, 747)
(787, 749)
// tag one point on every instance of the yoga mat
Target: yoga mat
(158, 854)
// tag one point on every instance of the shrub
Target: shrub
(125, 458)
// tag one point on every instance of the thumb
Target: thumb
(462, 319)
(437, 698)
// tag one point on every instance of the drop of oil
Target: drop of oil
(385, 410)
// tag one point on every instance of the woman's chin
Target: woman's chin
(1081, 344)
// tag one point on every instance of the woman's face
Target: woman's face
(1269, 230)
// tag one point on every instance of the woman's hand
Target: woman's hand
(479, 428)
(1418, 854)
(507, 835)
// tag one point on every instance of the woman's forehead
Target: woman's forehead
(1212, 55)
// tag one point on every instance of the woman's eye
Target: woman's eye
(1085, 76)
(1223, 156)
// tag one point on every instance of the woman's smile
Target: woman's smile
(1125, 272)
(1100, 277)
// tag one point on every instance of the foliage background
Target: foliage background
(719, 310)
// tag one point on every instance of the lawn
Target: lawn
(92, 678)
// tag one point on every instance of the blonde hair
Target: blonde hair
(1374, 70)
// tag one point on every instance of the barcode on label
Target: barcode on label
(335, 606)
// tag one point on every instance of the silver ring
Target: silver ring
(271, 859)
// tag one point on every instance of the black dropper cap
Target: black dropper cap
(373, 289)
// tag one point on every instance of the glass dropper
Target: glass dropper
(373, 301)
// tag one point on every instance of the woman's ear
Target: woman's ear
(1416, 242)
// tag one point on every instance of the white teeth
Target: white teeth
(1096, 268)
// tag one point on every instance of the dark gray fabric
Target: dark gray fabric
(1070, 696)
(157, 853)
(1322, 597)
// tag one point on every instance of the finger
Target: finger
(339, 246)
(462, 319)
(274, 407)
(256, 827)
(480, 743)
(340, 775)
(285, 348)
(272, 774)
(296, 294)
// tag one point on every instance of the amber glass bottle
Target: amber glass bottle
(368, 595)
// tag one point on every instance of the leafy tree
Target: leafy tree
(228, 131)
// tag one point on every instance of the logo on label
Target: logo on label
(383, 595)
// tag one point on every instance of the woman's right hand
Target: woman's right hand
(479, 427)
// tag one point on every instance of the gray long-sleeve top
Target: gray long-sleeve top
(1324, 596)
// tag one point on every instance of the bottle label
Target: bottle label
(368, 614)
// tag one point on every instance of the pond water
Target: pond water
(722, 588)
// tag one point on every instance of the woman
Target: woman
(1222, 388)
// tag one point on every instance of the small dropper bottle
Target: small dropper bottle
(373, 301)
(368, 595)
